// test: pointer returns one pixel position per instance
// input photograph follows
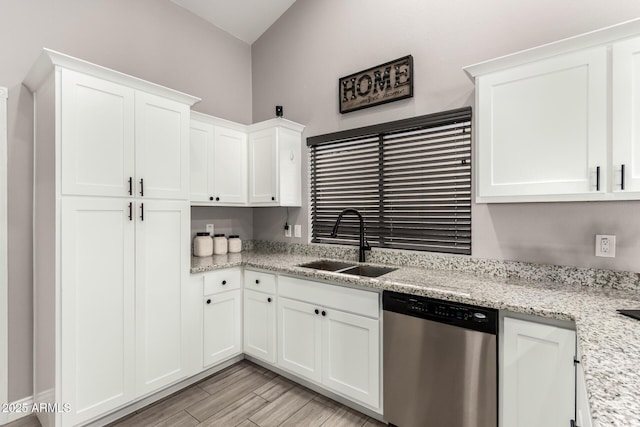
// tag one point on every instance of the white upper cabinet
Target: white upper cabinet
(230, 166)
(625, 174)
(218, 157)
(162, 147)
(559, 122)
(274, 163)
(117, 141)
(237, 165)
(97, 136)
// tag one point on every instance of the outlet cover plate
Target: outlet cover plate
(606, 245)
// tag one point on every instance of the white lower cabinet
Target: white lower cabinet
(331, 335)
(538, 374)
(260, 325)
(222, 330)
(221, 315)
(583, 411)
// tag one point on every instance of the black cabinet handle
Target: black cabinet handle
(622, 177)
(317, 311)
(324, 313)
(597, 178)
(273, 198)
(142, 187)
(130, 211)
(211, 198)
(217, 199)
(257, 281)
(131, 186)
(224, 282)
(269, 299)
(141, 211)
(208, 301)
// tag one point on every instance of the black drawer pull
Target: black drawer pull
(257, 282)
(130, 211)
(269, 299)
(597, 178)
(141, 187)
(622, 177)
(211, 198)
(324, 313)
(131, 186)
(224, 282)
(317, 311)
(208, 301)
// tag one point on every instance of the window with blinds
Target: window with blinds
(410, 179)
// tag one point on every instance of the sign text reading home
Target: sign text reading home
(384, 83)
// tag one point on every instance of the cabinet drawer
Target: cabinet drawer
(262, 282)
(365, 303)
(222, 280)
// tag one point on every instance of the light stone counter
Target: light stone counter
(610, 342)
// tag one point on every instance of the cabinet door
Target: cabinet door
(351, 362)
(162, 261)
(260, 325)
(263, 167)
(290, 167)
(626, 118)
(299, 338)
(97, 131)
(230, 166)
(222, 326)
(97, 306)
(538, 375)
(162, 147)
(542, 130)
(201, 161)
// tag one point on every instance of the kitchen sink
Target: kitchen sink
(348, 268)
(327, 265)
(367, 270)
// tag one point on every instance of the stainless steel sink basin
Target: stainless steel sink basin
(367, 270)
(327, 265)
(348, 268)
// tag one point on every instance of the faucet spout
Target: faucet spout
(364, 245)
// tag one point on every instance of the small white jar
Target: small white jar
(220, 245)
(235, 244)
(202, 245)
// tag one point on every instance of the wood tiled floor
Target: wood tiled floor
(244, 395)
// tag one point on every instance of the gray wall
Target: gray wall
(225, 221)
(151, 39)
(298, 61)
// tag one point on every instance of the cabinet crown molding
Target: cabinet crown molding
(50, 60)
(587, 40)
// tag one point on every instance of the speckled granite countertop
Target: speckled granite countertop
(609, 342)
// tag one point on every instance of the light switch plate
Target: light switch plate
(209, 229)
(297, 230)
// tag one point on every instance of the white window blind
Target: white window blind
(410, 179)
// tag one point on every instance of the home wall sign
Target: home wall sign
(384, 83)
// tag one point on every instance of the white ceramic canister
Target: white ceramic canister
(235, 244)
(220, 245)
(202, 245)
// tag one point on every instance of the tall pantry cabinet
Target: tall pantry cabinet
(111, 237)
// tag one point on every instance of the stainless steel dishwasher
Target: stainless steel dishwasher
(440, 363)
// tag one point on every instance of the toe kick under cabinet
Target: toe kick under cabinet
(112, 238)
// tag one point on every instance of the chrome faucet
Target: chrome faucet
(364, 246)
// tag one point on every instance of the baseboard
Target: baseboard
(16, 410)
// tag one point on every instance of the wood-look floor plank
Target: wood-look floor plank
(374, 423)
(28, 421)
(217, 384)
(236, 412)
(181, 419)
(283, 407)
(274, 388)
(216, 402)
(313, 414)
(164, 409)
(345, 417)
(247, 423)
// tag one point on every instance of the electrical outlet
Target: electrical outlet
(297, 230)
(287, 232)
(605, 245)
(209, 229)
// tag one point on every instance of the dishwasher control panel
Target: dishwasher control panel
(471, 317)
